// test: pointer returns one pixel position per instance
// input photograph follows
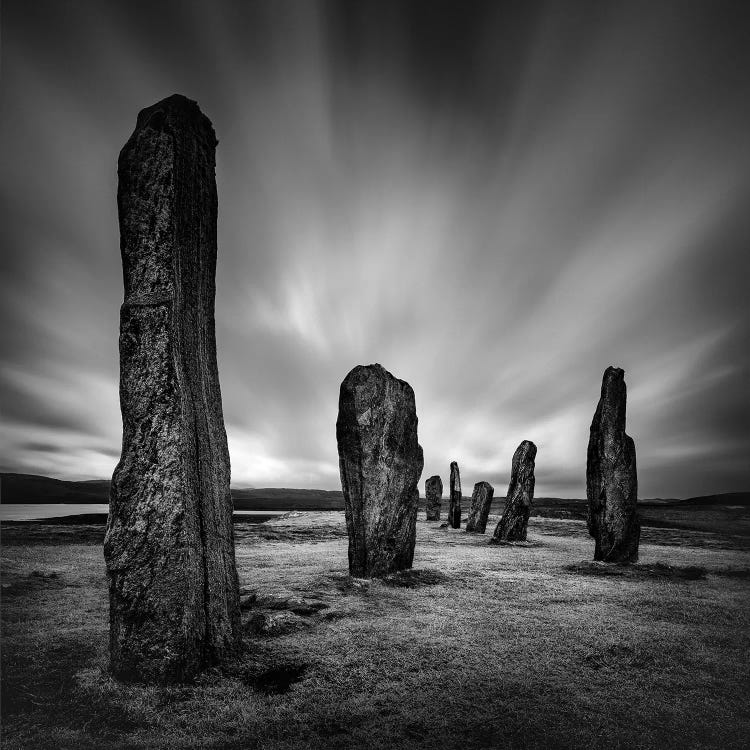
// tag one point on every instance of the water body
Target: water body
(34, 512)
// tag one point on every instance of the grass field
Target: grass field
(527, 646)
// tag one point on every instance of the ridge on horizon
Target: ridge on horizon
(15, 487)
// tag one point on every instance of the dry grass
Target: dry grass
(480, 646)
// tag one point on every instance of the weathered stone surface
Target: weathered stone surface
(169, 547)
(380, 462)
(519, 500)
(481, 500)
(611, 477)
(454, 509)
(433, 490)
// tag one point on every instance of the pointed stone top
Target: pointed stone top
(613, 381)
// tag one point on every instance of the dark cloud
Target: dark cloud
(495, 201)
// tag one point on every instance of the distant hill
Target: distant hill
(35, 489)
(273, 498)
(32, 488)
(726, 498)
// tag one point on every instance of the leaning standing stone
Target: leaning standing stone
(481, 500)
(380, 462)
(611, 477)
(433, 490)
(169, 548)
(454, 509)
(514, 521)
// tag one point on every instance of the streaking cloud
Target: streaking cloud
(495, 222)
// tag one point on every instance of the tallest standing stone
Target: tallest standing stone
(169, 546)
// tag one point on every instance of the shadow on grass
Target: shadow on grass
(273, 676)
(414, 578)
(36, 581)
(741, 573)
(411, 578)
(278, 679)
(638, 572)
(41, 684)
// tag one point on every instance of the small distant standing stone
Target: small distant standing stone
(481, 500)
(454, 509)
(433, 490)
(380, 461)
(514, 521)
(611, 477)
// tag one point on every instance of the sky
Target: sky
(494, 200)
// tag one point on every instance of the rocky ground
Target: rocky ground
(525, 646)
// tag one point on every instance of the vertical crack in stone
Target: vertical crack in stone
(198, 430)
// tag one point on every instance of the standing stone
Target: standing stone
(169, 547)
(380, 462)
(514, 521)
(481, 500)
(433, 490)
(454, 509)
(611, 478)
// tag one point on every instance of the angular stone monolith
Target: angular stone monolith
(518, 502)
(481, 500)
(433, 490)
(454, 509)
(169, 547)
(380, 462)
(611, 477)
